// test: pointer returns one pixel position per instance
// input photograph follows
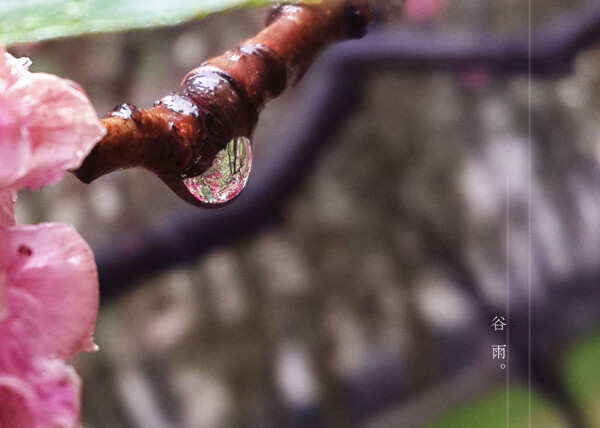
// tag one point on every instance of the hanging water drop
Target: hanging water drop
(227, 176)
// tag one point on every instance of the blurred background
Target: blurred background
(429, 194)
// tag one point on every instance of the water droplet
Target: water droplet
(206, 80)
(179, 104)
(227, 176)
(124, 111)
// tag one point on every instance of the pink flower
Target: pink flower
(48, 278)
(424, 10)
(47, 126)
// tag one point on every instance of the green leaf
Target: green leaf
(24, 21)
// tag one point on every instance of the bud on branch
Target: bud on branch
(180, 137)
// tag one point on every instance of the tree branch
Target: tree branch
(317, 115)
(181, 135)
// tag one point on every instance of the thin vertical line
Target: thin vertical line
(507, 300)
(529, 173)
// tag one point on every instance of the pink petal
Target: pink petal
(56, 267)
(14, 396)
(47, 395)
(58, 392)
(7, 203)
(15, 147)
(62, 125)
(19, 334)
(35, 390)
(3, 309)
(11, 68)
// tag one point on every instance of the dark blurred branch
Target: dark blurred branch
(552, 49)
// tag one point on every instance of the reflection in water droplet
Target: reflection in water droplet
(227, 176)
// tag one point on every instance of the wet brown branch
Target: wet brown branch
(220, 100)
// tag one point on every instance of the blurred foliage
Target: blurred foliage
(491, 412)
(23, 21)
(584, 376)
